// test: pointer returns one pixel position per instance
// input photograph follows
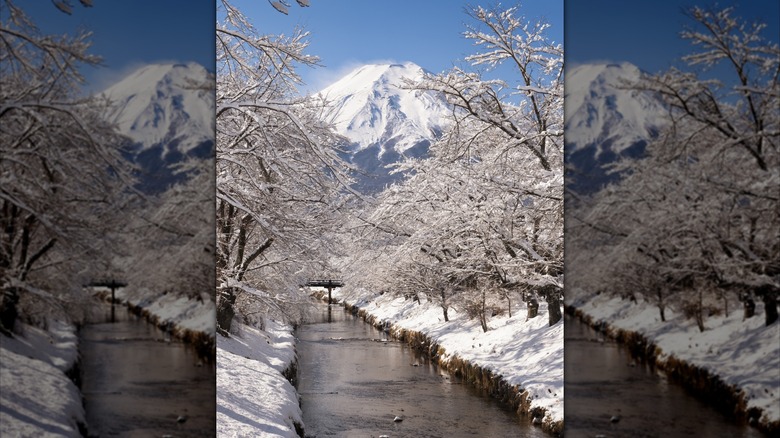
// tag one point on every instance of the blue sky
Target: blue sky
(642, 32)
(349, 33)
(128, 34)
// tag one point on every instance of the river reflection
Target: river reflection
(354, 381)
(602, 381)
(137, 382)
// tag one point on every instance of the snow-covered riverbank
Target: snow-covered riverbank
(197, 315)
(742, 352)
(527, 353)
(37, 398)
(189, 319)
(253, 396)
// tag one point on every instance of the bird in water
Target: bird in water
(398, 419)
(181, 419)
(615, 418)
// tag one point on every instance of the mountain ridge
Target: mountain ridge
(164, 103)
(370, 105)
(600, 106)
(383, 120)
(166, 111)
(606, 120)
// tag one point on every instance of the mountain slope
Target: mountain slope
(167, 112)
(162, 104)
(605, 120)
(370, 105)
(383, 121)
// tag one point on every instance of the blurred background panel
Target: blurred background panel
(107, 193)
(672, 262)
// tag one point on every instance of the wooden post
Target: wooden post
(113, 300)
(113, 284)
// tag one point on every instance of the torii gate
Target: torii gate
(114, 285)
(327, 284)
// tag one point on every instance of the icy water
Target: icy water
(136, 382)
(354, 381)
(602, 381)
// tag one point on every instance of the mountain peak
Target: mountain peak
(371, 105)
(606, 119)
(164, 104)
(601, 107)
(149, 74)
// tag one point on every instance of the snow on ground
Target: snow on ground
(744, 353)
(528, 354)
(36, 397)
(253, 397)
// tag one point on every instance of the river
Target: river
(354, 380)
(603, 381)
(137, 381)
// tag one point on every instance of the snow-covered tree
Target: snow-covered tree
(485, 211)
(699, 214)
(169, 238)
(278, 173)
(60, 168)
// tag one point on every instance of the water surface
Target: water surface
(137, 381)
(354, 380)
(603, 381)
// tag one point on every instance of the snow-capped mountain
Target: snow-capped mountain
(370, 105)
(601, 110)
(383, 120)
(605, 119)
(165, 104)
(167, 112)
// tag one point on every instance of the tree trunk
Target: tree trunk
(225, 311)
(444, 303)
(533, 308)
(8, 311)
(770, 306)
(700, 319)
(554, 307)
(661, 305)
(482, 315)
(700, 311)
(750, 307)
(769, 297)
(552, 296)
